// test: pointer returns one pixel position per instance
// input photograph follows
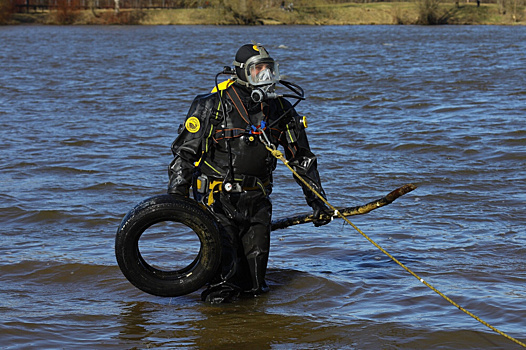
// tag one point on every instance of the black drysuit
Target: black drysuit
(219, 148)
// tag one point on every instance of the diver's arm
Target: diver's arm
(187, 148)
(301, 158)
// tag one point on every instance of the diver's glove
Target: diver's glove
(320, 209)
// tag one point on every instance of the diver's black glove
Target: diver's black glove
(320, 209)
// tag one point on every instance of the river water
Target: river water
(87, 116)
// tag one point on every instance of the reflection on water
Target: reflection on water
(169, 246)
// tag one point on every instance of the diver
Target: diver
(222, 153)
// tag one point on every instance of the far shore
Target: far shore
(379, 13)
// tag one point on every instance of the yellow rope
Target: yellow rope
(276, 153)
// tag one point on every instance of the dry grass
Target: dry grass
(341, 14)
(185, 17)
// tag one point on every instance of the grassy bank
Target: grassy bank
(338, 14)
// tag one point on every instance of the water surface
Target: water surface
(87, 116)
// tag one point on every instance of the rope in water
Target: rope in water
(276, 153)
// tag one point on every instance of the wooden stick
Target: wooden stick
(362, 209)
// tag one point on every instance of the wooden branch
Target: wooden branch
(362, 209)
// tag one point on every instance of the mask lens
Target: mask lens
(262, 73)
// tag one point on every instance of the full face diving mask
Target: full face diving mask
(261, 71)
(262, 75)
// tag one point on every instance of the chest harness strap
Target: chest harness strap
(230, 184)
